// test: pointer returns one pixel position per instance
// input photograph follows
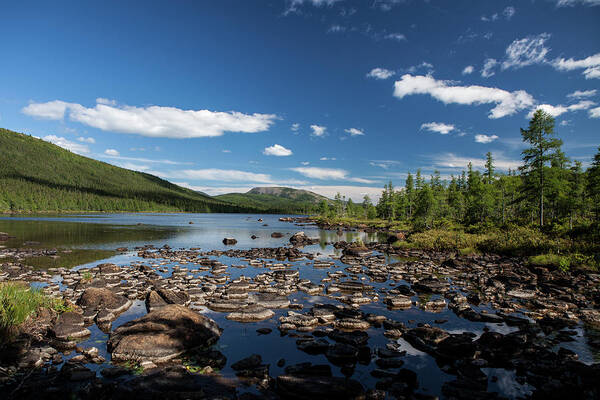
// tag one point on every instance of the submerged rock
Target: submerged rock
(319, 387)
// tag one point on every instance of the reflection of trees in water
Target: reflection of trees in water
(73, 234)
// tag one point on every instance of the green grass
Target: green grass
(18, 302)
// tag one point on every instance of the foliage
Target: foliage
(18, 302)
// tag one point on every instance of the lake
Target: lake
(93, 239)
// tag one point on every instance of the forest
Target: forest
(550, 199)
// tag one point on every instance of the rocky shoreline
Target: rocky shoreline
(169, 352)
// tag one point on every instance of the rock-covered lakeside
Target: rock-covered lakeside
(365, 312)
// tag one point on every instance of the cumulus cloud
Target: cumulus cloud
(594, 112)
(578, 94)
(328, 174)
(507, 103)
(153, 121)
(277, 150)
(468, 70)
(318, 130)
(327, 158)
(354, 131)
(438, 127)
(425, 66)
(590, 65)
(555, 111)
(485, 138)
(111, 152)
(488, 67)
(67, 144)
(380, 73)
(90, 140)
(293, 6)
(295, 127)
(527, 51)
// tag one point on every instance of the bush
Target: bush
(442, 240)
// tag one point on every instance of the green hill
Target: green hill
(276, 199)
(39, 176)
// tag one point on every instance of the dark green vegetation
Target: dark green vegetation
(18, 302)
(274, 199)
(64, 258)
(550, 206)
(38, 176)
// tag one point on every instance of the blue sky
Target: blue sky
(327, 95)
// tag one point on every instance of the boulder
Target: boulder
(162, 334)
(276, 235)
(319, 387)
(231, 241)
(251, 313)
(97, 299)
(69, 326)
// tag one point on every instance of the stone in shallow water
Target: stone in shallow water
(69, 326)
(103, 299)
(251, 313)
(401, 302)
(162, 334)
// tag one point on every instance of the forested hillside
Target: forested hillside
(39, 176)
(282, 199)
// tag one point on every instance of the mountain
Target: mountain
(276, 199)
(39, 176)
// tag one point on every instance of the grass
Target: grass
(19, 302)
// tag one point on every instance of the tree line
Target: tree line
(548, 190)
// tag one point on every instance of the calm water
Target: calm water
(109, 231)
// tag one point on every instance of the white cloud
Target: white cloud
(488, 67)
(318, 130)
(135, 167)
(336, 29)
(509, 12)
(590, 65)
(226, 151)
(101, 100)
(451, 160)
(595, 112)
(328, 174)
(468, 70)
(304, 163)
(277, 150)
(438, 127)
(147, 160)
(111, 152)
(565, 3)
(485, 138)
(294, 5)
(154, 121)
(428, 67)
(225, 175)
(380, 73)
(295, 127)
(50, 110)
(327, 158)
(399, 37)
(507, 103)
(385, 164)
(527, 51)
(67, 144)
(578, 94)
(555, 111)
(354, 131)
(90, 140)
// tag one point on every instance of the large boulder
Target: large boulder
(229, 241)
(300, 239)
(162, 334)
(69, 326)
(97, 299)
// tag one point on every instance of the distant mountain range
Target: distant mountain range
(37, 176)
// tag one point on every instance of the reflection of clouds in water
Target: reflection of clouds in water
(506, 383)
(404, 345)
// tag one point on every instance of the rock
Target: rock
(357, 250)
(276, 235)
(264, 331)
(424, 338)
(76, 372)
(229, 241)
(271, 300)
(300, 239)
(355, 338)
(351, 324)
(162, 334)
(251, 313)
(399, 302)
(396, 237)
(97, 299)
(319, 387)
(69, 326)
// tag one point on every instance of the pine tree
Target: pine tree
(540, 136)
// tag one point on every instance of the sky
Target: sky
(324, 95)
